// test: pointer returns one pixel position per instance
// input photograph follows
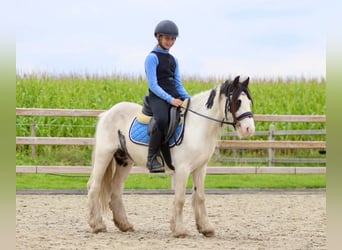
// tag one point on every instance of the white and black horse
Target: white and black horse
(228, 103)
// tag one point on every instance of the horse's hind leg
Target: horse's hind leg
(198, 203)
(116, 203)
(100, 176)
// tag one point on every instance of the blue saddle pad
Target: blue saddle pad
(138, 133)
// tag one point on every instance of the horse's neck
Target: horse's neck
(208, 127)
(199, 104)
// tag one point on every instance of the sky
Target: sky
(217, 38)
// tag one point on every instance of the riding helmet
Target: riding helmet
(166, 27)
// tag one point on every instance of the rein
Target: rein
(239, 118)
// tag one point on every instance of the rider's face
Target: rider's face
(167, 41)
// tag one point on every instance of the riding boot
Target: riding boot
(153, 152)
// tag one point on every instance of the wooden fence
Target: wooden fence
(234, 144)
(271, 144)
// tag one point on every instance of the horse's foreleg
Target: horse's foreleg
(180, 181)
(116, 203)
(198, 203)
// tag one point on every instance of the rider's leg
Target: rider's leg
(160, 110)
(153, 151)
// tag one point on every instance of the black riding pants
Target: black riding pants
(161, 112)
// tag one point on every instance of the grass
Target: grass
(146, 181)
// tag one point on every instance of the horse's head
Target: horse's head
(237, 108)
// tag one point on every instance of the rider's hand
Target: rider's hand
(177, 102)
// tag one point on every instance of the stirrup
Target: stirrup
(157, 170)
(157, 167)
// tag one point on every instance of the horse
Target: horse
(228, 103)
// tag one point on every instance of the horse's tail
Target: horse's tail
(106, 189)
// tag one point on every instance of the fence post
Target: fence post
(234, 152)
(33, 134)
(217, 154)
(270, 150)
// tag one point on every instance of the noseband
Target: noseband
(243, 116)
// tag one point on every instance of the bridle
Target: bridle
(225, 121)
(227, 109)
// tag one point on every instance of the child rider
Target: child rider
(165, 88)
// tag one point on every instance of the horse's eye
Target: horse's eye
(238, 104)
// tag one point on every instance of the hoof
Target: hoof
(209, 233)
(128, 229)
(124, 227)
(98, 226)
(181, 234)
(99, 229)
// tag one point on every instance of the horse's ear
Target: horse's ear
(245, 83)
(236, 81)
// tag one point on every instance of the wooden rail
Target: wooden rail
(247, 144)
(58, 112)
(143, 170)
(95, 113)
(239, 144)
(55, 141)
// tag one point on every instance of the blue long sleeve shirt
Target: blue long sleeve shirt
(151, 64)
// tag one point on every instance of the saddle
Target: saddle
(144, 122)
(177, 115)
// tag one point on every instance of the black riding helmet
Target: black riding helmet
(166, 27)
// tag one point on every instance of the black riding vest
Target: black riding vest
(166, 73)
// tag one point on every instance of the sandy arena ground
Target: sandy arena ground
(261, 220)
